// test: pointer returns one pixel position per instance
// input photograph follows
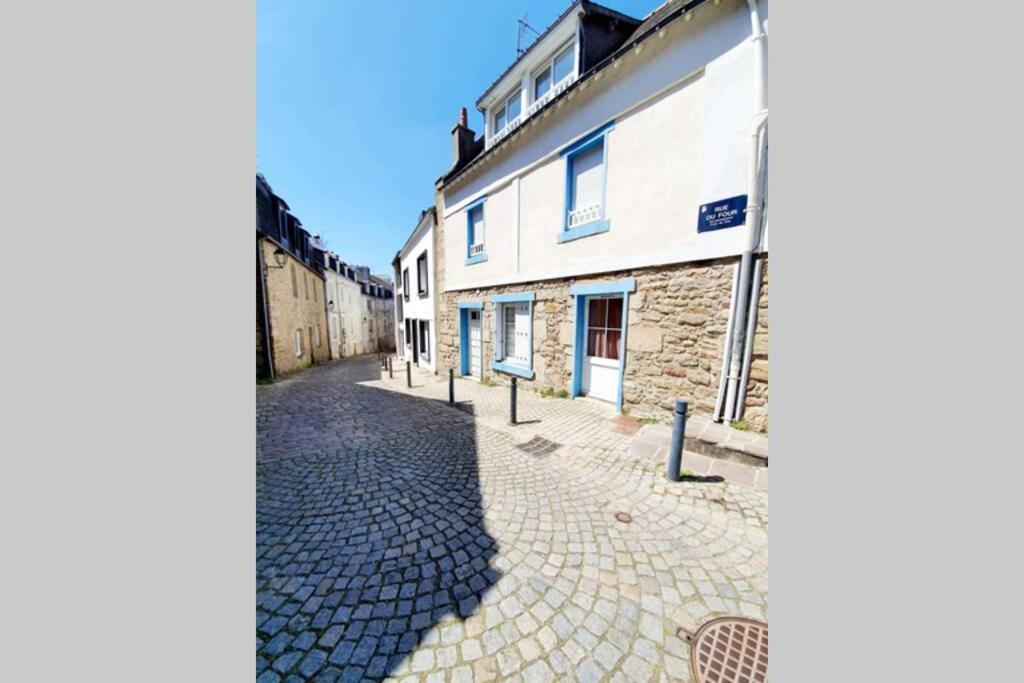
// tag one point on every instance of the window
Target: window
(405, 284)
(585, 173)
(421, 274)
(318, 334)
(316, 297)
(298, 343)
(369, 305)
(310, 337)
(585, 176)
(509, 333)
(513, 334)
(305, 285)
(604, 327)
(554, 72)
(508, 110)
(425, 339)
(295, 283)
(476, 230)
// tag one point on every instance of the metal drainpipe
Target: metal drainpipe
(267, 348)
(753, 213)
(728, 343)
(748, 350)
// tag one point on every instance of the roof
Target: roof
(660, 17)
(418, 230)
(583, 4)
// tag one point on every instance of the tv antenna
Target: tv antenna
(522, 34)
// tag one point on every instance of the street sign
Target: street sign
(724, 213)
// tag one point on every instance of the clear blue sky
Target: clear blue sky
(355, 102)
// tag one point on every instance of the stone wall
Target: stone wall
(288, 312)
(674, 341)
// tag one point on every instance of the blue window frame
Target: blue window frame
(513, 313)
(586, 171)
(475, 232)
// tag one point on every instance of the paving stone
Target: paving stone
(385, 519)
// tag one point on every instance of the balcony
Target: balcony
(476, 249)
(537, 105)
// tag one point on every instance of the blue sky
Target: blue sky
(355, 102)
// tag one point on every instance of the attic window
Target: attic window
(554, 72)
(508, 111)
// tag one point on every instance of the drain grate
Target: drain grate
(730, 650)
(538, 446)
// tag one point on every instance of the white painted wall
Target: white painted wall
(682, 111)
(417, 307)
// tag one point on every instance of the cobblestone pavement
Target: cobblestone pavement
(401, 539)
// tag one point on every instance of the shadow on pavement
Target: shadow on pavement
(369, 524)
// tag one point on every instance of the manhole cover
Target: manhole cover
(538, 446)
(730, 650)
(624, 517)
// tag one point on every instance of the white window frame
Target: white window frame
(550, 64)
(517, 95)
(524, 363)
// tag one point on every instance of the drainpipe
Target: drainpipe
(728, 339)
(753, 217)
(748, 350)
(261, 281)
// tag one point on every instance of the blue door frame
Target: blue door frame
(464, 309)
(621, 288)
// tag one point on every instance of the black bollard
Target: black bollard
(408, 373)
(391, 368)
(675, 454)
(451, 386)
(512, 402)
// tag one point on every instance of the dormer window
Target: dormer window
(562, 66)
(508, 111)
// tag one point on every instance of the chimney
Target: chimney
(462, 139)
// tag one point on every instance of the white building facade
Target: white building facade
(416, 294)
(606, 235)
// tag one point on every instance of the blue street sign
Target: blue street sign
(724, 213)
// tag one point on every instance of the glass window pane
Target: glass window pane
(541, 83)
(499, 119)
(615, 313)
(595, 342)
(513, 105)
(587, 177)
(510, 331)
(564, 63)
(597, 312)
(612, 350)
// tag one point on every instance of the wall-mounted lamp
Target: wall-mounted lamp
(279, 257)
(330, 304)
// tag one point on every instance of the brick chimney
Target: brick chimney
(462, 139)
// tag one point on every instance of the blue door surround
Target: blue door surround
(622, 288)
(464, 307)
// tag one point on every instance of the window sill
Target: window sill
(511, 369)
(479, 258)
(585, 230)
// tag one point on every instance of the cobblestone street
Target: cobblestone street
(400, 538)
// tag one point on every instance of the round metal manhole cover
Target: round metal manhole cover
(624, 517)
(730, 650)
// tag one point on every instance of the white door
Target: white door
(603, 347)
(475, 344)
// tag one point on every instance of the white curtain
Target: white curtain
(587, 174)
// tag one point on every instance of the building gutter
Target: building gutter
(753, 220)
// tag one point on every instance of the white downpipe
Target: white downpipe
(755, 295)
(728, 339)
(753, 217)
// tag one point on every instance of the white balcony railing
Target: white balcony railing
(476, 249)
(584, 215)
(537, 105)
